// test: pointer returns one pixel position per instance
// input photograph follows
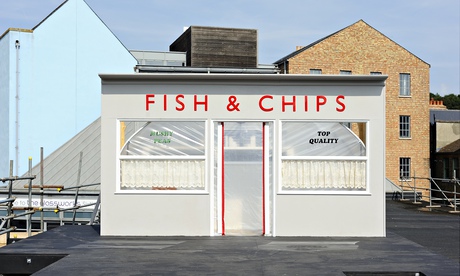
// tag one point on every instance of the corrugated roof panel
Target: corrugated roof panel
(61, 166)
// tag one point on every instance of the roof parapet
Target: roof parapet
(16, 30)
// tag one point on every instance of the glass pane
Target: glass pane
(404, 84)
(163, 138)
(404, 168)
(320, 139)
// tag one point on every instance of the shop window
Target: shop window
(166, 155)
(404, 126)
(322, 156)
(404, 168)
(404, 85)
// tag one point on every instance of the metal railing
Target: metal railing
(434, 195)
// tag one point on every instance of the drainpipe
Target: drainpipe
(18, 46)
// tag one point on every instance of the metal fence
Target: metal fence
(442, 192)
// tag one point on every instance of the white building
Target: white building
(242, 154)
(49, 84)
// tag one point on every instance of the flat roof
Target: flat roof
(417, 241)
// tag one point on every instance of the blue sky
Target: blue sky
(430, 29)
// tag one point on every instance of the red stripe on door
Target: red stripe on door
(223, 177)
(263, 179)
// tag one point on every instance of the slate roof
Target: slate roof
(437, 115)
(451, 148)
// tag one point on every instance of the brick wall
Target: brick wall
(362, 49)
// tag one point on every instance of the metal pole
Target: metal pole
(78, 184)
(8, 200)
(41, 191)
(29, 217)
(415, 189)
(455, 191)
(18, 46)
(27, 213)
(431, 190)
(402, 187)
(95, 211)
(61, 218)
(10, 204)
(455, 197)
(7, 231)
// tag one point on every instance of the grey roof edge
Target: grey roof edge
(51, 13)
(282, 79)
(287, 57)
(186, 69)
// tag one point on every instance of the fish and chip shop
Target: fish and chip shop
(242, 154)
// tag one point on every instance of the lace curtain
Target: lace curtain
(163, 174)
(324, 174)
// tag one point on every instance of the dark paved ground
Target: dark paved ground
(417, 241)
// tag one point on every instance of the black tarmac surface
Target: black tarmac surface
(417, 241)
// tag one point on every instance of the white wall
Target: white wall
(61, 87)
(446, 133)
(355, 213)
(4, 104)
(12, 89)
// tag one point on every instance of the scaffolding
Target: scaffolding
(42, 190)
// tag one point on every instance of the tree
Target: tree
(435, 97)
(452, 101)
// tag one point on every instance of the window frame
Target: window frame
(282, 158)
(405, 85)
(404, 168)
(405, 127)
(314, 71)
(121, 157)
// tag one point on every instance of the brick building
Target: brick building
(359, 49)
